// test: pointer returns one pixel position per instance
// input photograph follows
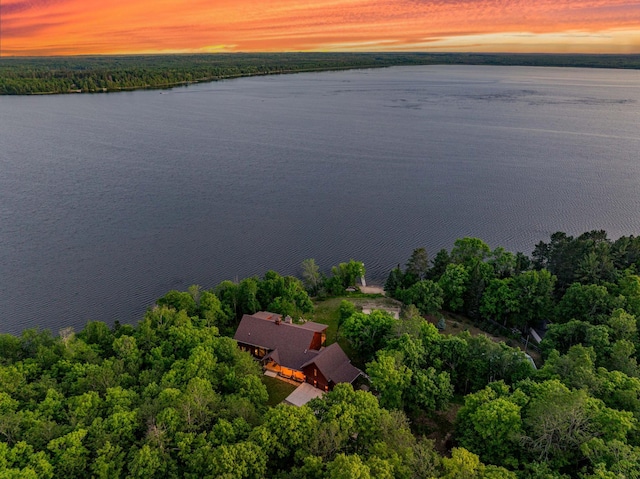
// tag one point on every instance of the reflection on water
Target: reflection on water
(108, 201)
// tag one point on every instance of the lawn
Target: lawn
(328, 312)
(278, 390)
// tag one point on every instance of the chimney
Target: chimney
(288, 320)
(278, 320)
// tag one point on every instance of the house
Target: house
(295, 351)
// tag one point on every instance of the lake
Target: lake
(108, 201)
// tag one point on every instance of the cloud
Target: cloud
(91, 26)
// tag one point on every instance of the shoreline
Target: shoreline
(26, 76)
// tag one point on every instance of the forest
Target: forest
(174, 397)
(93, 74)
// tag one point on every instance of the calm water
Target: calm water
(109, 201)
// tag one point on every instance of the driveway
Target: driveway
(303, 394)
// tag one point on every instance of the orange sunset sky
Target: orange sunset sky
(70, 27)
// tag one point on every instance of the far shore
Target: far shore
(106, 74)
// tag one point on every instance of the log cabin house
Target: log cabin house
(295, 351)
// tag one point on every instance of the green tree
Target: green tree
(10, 349)
(503, 262)
(490, 425)
(623, 325)
(453, 354)
(394, 283)
(429, 391)
(418, 265)
(558, 422)
(368, 333)
(243, 460)
(439, 265)
(348, 467)
(613, 459)
(229, 294)
(284, 431)
(348, 273)
(523, 263)
(410, 322)
(534, 290)
(467, 250)
(498, 426)
(576, 369)
(390, 377)
(22, 462)
(356, 415)
(454, 284)
(347, 309)
(147, 463)
(109, 462)
(629, 286)
(211, 310)
(180, 301)
(425, 295)
(500, 301)
(98, 334)
(198, 404)
(311, 276)
(590, 303)
(562, 336)
(70, 456)
(480, 274)
(623, 359)
(462, 465)
(126, 349)
(248, 296)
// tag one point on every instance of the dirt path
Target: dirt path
(372, 290)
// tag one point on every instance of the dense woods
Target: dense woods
(46, 75)
(173, 396)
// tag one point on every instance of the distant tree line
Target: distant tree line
(87, 74)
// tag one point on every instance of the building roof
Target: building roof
(266, 315)
(334, 365)
(288, 343)
(311, 326)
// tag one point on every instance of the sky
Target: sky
(78, 27)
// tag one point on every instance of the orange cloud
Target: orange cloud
(53, 27)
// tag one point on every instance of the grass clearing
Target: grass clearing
(278, 390)
(328, 312)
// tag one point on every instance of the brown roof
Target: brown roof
(289, 343)
(273, 355)
(334, 365)
(310, 325)
(266, 315)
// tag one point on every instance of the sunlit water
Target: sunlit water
(109, 201)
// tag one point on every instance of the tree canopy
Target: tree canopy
(174, 397)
